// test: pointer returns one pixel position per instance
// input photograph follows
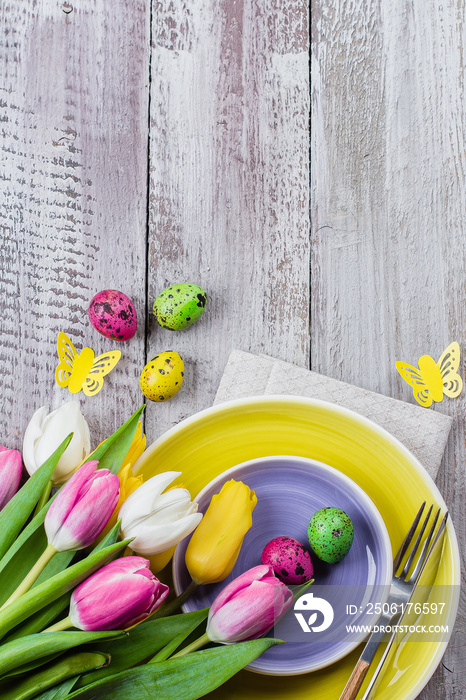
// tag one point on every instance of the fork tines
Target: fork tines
(425, 547)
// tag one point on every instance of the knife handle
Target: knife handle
(355, 681)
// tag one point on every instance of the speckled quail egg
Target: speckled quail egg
(113, 314)
(330, 534)
(162, 377)
(289, 559)
(179, 306)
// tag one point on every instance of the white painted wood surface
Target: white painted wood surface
(229, 185)
(389, 214)
(137, 151)
(74, 95)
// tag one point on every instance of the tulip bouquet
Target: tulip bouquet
(82, 612)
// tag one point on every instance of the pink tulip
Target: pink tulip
(248, 606)
(117, 596)
(82, 508)
(11, 466)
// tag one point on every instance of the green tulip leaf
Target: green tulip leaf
(30, 529)
(15, 514)
(31, 666)
(18, 561)
(58, 692)
(24, 651)
(41, 619)
(170, 648)
(110, 538)
(68, 666)
(142, 642)
(111, 453)
(186, 678)
(58, 563)
(44, 496)
(19, 565)
(43, 594)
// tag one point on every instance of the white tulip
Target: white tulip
(46, 431)
(156, 520)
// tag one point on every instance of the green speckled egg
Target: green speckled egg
(179, 306)
(330, 534)
(162, 377)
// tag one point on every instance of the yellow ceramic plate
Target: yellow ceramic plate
(206, 444)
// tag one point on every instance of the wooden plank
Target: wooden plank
(74, 101)
(229, 185)
(388, 213)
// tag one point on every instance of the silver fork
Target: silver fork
(400, 591)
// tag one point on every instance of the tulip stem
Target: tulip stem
(173, 605)
(169, 648)
(34, 573)
(44, 497)
(202, 641)
(64, 624)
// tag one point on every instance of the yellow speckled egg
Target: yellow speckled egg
(162, 377)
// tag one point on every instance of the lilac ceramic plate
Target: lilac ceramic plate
(289, 491)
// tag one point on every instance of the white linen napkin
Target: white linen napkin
(422, 431)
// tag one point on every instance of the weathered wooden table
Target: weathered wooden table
(149, 142)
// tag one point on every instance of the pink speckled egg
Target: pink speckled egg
(112, 313)
(289, 559)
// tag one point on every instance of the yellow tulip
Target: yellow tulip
(160, 561)
(215, 545)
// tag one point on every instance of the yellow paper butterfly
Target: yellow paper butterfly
(431, 380)
(82, 370)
